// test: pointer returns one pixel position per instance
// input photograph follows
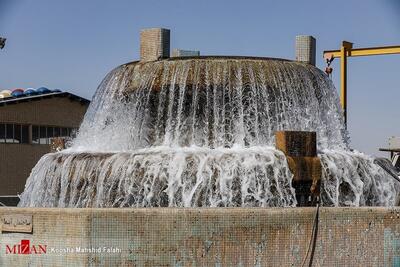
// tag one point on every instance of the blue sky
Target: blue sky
(72, 44)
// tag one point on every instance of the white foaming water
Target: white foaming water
(162, 176)
(200, 132)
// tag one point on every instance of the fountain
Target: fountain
(186, 148)
(199, 132)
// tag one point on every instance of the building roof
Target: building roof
(22, 99)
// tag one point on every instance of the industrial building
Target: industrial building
(28, 122)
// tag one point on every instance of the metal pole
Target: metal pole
(344, 50)
(343, 82)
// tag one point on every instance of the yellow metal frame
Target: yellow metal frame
(346, 51)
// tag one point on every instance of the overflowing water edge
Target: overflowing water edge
(200, 133)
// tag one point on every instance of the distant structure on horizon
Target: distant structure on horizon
(306, 49)
(185, 53)
(154, 44)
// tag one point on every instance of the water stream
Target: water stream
(200, 133)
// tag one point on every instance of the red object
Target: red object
(18, 90)
(25, 246)
(328, 70)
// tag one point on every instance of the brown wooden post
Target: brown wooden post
(300, 149)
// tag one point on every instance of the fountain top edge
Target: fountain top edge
(216, 57)
(226, 57)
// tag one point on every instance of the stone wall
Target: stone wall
(208, 237)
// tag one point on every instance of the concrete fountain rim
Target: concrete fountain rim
(217, 57)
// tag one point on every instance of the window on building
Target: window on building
(43, 135)
(57, 132)
(10, 133)
(19, 133)
(50, 134)
(24, 134)
(35, 134)
(14, 133)
(46, 133)
(64, 132)
(2, 133)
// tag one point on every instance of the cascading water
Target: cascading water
(200, 132)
